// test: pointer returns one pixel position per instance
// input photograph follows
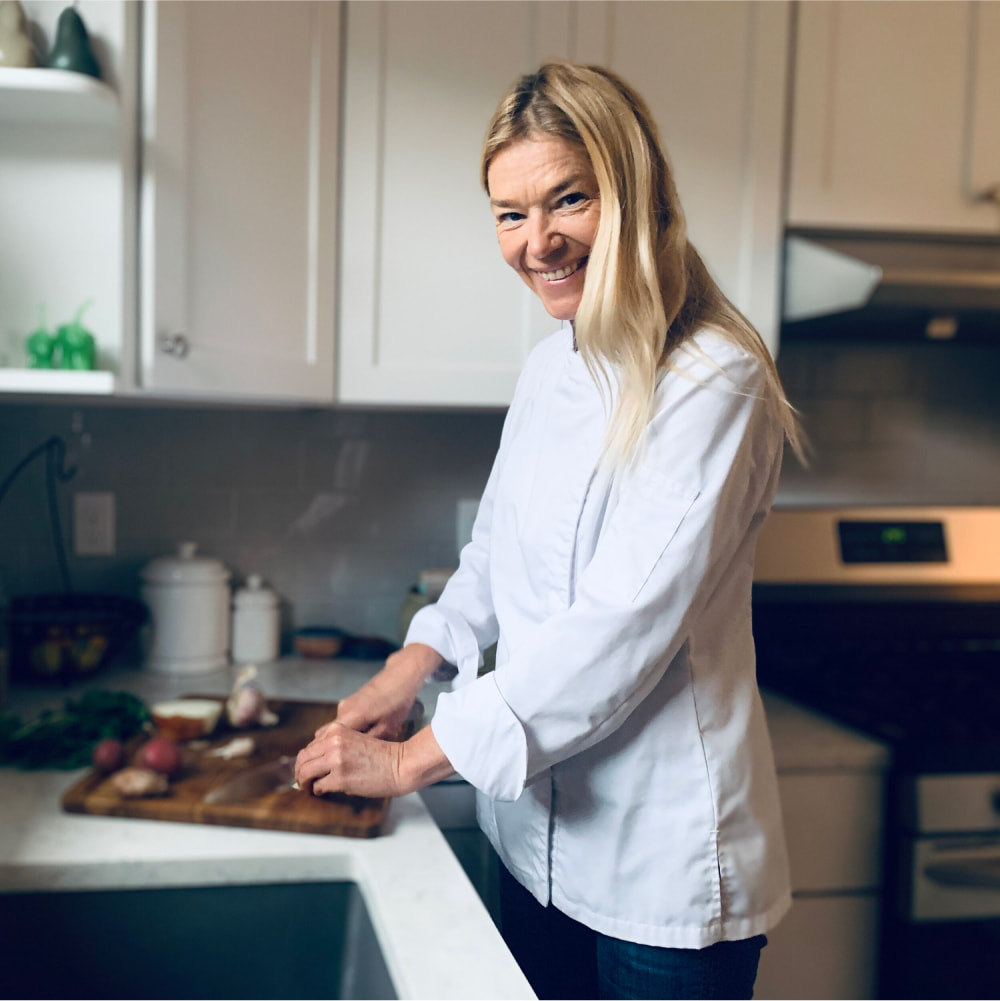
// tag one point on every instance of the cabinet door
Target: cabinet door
(238, 206)
(429, 313)
(896, 114)
(715, 77)
(827, 947)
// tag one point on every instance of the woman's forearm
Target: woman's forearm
(422, 762)
(416, 661)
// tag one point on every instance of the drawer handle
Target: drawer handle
(977, 874)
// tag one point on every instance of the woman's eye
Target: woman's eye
(507, 218)
(573, 199)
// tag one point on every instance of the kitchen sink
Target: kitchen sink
(301, 940)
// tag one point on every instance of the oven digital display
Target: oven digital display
(892, 542)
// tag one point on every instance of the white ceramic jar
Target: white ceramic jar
(188, 599)
(256, 623)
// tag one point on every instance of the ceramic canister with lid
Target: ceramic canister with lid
(256, 623)
(188, 599)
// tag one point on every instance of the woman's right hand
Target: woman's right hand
(381, 706)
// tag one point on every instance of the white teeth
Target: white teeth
(554, 276)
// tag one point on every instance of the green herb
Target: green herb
(65, 738)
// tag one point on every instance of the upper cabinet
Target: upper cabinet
(715, 77)
(239, 140)
(896, 116)
(258, 217)
(428, 312)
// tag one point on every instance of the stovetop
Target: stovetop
(939, 713)
(888, 620)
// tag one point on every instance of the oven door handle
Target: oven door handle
(982, 874)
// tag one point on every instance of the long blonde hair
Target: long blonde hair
(647, 290)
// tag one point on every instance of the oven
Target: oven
(888, 620)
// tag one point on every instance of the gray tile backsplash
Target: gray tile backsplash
(917, 424)
(339, 510)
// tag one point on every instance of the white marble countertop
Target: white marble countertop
(805, 741)
(437, 936)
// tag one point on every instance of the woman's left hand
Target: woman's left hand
(340, 759)
(343, 760)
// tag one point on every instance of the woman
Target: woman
(619, 749)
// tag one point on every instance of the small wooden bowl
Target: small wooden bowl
(318, 644)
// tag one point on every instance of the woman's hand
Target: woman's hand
(343, 760)
(380, 707)
(349, 755)
(340, 759)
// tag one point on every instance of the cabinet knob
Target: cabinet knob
(990, 194)
(174, 344)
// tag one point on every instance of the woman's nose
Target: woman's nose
(543, 237)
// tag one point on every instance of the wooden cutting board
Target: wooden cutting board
(284, 810)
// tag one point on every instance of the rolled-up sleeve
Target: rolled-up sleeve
(678, 521)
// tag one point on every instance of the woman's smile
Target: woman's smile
(561, 273)
(547, 208)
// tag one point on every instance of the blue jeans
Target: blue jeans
(564, 959)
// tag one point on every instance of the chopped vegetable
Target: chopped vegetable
(134, 783)
(186, 719)
(238, 747)
(66, 738)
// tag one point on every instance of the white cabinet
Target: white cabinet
(827, 947)
(428, 312)
(896, 117)
(831, 780)
(240, 109)
(715, 78)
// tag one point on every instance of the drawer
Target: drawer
(833, 824)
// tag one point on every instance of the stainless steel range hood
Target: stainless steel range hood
(831, 272)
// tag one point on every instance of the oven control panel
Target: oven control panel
(892, 541)
(880, 546)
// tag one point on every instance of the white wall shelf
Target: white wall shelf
(56, 97)
(37, 380)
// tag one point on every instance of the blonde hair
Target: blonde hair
(646, 291)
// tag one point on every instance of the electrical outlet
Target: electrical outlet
(465, 516)
(94, 524)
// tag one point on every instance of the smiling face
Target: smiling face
(545, 200)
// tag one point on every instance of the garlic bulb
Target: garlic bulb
(246, 705)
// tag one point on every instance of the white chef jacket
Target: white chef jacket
(620, 751)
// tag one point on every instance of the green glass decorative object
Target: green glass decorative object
(39, 347)
(72, 50)
(74, 345)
